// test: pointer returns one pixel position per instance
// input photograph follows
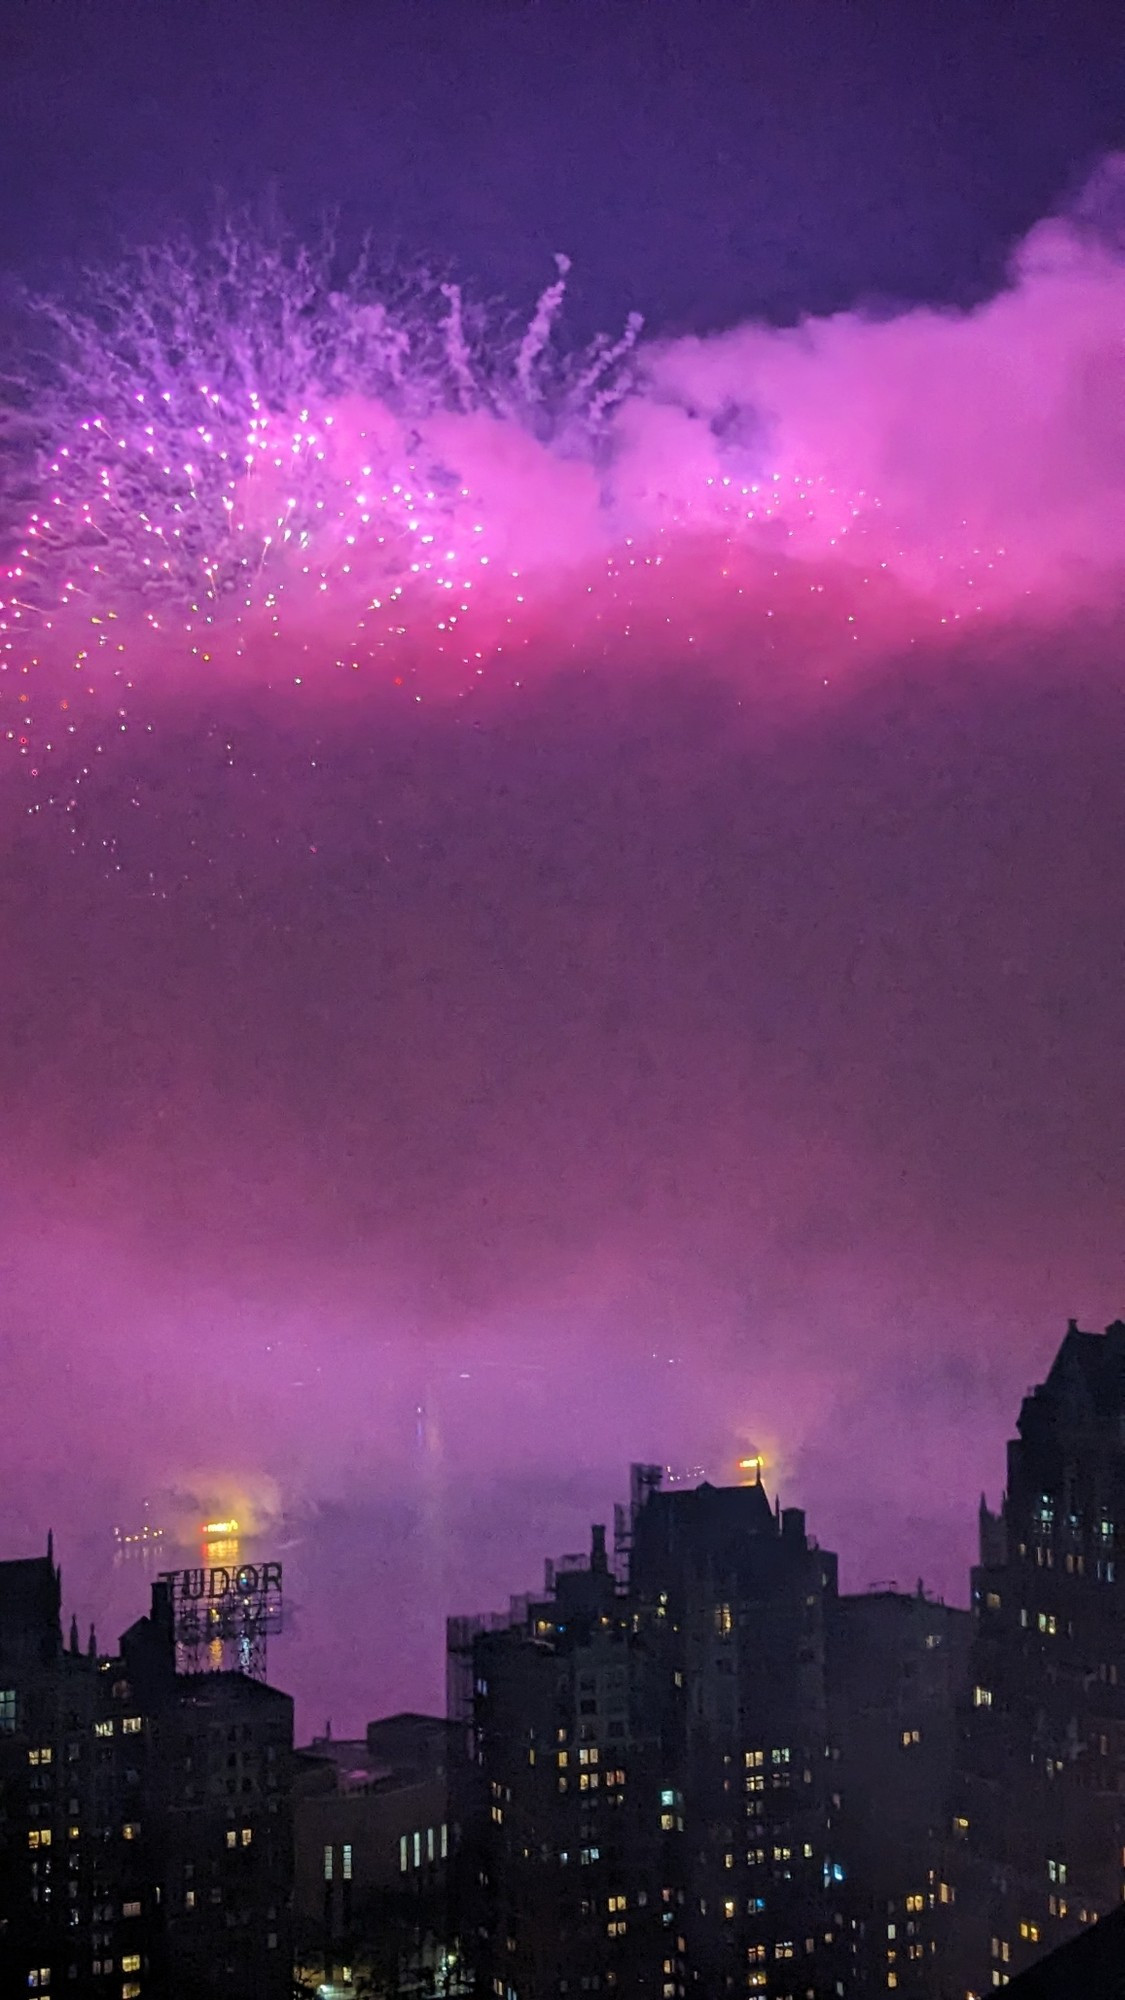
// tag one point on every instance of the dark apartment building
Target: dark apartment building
(376, 1844)
(145, 1830)
(662, 1808)
(741, 1601)
(577, 1821)
(1037, 1830)
(896, 1669)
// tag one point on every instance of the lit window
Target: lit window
(73, 1832)
(131, 1725)
(347, 1861)
(444, 1842)
(418, 1844)
(982, 1697)
(131, 1830)
(7, 1710)
(103, 1728)
(130, 1909)
(232, 1837)
(189, 1899)
(728, 1907)
(131, 1990)
(429, 1843)
(39, 1837)
(328, 1862)
(402, 1854)
(131, 1962)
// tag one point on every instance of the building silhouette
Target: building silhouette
(740, 1602)
(896, 1669)
(145, 1816)
(1037, 1829)
(702, 1772)
(375, 1852)
(577, 1815)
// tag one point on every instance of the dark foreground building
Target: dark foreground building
(739, 1601)
(1090, 1967)
(376, 1847)
(896, 1668)
(145, 1815)
(1037, 1833)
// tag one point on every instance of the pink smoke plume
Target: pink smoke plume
(258, 476)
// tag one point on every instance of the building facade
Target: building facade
(145, 1830)
(574, 1838)
(1037, 1830)
(660, 1811)
(376, 1844)
(742, 1601)
(896, 1669)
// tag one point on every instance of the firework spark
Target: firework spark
(258, 471)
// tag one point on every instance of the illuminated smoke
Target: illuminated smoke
(261, 471)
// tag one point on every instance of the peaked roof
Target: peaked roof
(1086, 1380)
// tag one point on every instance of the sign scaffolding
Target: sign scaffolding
(222, 1618)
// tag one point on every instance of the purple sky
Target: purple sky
(417, 1115)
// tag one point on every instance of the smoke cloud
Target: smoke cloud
(654, 992)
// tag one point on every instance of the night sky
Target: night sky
(702, 1036)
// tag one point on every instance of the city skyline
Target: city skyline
(690, 1753)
